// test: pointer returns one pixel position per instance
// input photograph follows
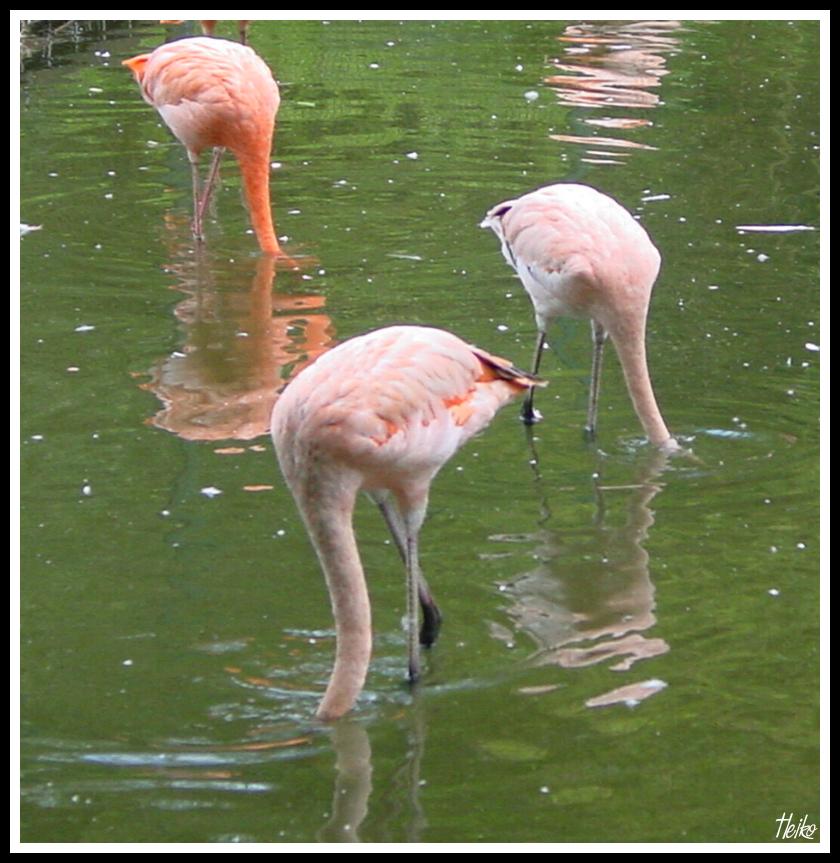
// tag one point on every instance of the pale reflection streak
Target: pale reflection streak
(601, 610)
(221, 384)
(612, 65)
(354, 781)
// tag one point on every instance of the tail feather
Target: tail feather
(501, 369)
(137, 65)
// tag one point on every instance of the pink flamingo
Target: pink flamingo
(380, 413)
(220, 94)
(579, 253)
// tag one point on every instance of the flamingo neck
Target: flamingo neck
(328, 519)
(632, 355)
(255, 179)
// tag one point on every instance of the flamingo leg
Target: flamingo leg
(197, 210)
(432, 616)
(201, 194)
(212, 177)
(405, 521)
(599, 338)
(529, 414)
(412, 589)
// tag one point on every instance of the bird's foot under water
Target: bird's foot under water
(197, 232)
(430, 626)
(530, 416)
(673, 448)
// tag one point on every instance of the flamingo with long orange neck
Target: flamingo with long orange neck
(213, 93)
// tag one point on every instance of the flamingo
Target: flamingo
(220, 94)
(579, 253)
(208, 28)
(381, 413)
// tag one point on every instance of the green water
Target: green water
(630, 650)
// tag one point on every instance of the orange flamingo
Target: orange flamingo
(380, 413)
(220, 94)
(579, 253)
(208, 28)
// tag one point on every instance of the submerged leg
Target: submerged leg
(599, 337)
(529, 414)
(432, 617)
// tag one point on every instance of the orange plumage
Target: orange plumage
(213, 93)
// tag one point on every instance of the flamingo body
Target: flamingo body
(380, 413)
(579, 253)
(214, 93)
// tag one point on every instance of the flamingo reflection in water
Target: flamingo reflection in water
(611, 66)
(600, 608)
(237, 348)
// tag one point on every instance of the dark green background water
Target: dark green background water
(175, 640)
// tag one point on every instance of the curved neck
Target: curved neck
(255, 179)
(631, 354)
(328, 518)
